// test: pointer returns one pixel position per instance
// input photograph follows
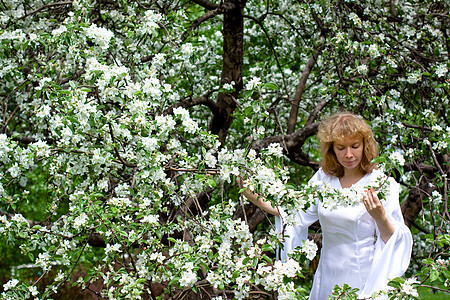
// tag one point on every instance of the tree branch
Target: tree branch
(206, 4)
(260, 23)
(412, 206)
(210, 14)
(233, 59)
(45, 7)
(313, 115)
(203, 100)
(300, 89)
(292, 144)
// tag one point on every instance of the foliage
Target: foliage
(124, 125)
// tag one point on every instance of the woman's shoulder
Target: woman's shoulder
(320, 176)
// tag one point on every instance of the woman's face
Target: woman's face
(349, 152)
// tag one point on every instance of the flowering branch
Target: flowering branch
(45, 6)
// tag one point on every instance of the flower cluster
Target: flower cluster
(107, 157)
(332, 198)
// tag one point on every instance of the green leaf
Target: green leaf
(268, 259)
(23, 234)
(434, 274)
(427, 261)
(379, 159)
(85, 89)
(446, 274)
(174, 281)
(255, 262)
(267, 247)
(271, 86)
(236, 274)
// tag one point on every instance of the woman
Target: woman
(363, 245)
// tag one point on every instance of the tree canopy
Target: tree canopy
(124, 125)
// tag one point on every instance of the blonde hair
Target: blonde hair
(341, 126)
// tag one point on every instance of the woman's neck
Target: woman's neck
(351, 177)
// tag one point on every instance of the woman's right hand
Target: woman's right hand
(256, 199)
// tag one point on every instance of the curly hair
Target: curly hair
(341, 126)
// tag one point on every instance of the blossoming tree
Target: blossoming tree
(124, 124)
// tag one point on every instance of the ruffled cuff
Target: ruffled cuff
(390, 260)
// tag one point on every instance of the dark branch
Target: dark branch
(206, 4)
(45, 7)
(203, 100)
(201, 19)
(301, 88)
(312, 117)
(292, 144)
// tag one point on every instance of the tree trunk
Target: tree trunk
(233, 52)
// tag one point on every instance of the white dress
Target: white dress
(352, 250)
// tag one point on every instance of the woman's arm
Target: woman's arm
(376, 209)
(258, 201)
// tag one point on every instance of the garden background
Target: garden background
(124, 124)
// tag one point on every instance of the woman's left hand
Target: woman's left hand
(376, 209)
(373, 205)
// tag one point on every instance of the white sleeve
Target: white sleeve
(292, 236)
(390, 259)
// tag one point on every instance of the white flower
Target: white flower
(310, 249)
(80, 221)
(14, 170)
(188, 278)
(413, 78)
(149, 143)
(19, 219)
(41, 148)
(33, 290)
(275, 149)
(43, 82)
(43, 261)
(408, 288)
(165, 123)
(397, 158)
(10, 284)
(437, 197)
(228, 86)
(391, 62)
(122, 190)
(101, 36)
(190, 125)
(362, 69)
(394, 93)
(59, 30)
(151, 219)
(187, 49)
(150, 24)
(381, 296)
(290, 268)
(253, 83)
(373, 51)
(436, 128)
(354, 18)
(441, 70)
(114, 248)
(210, 160)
